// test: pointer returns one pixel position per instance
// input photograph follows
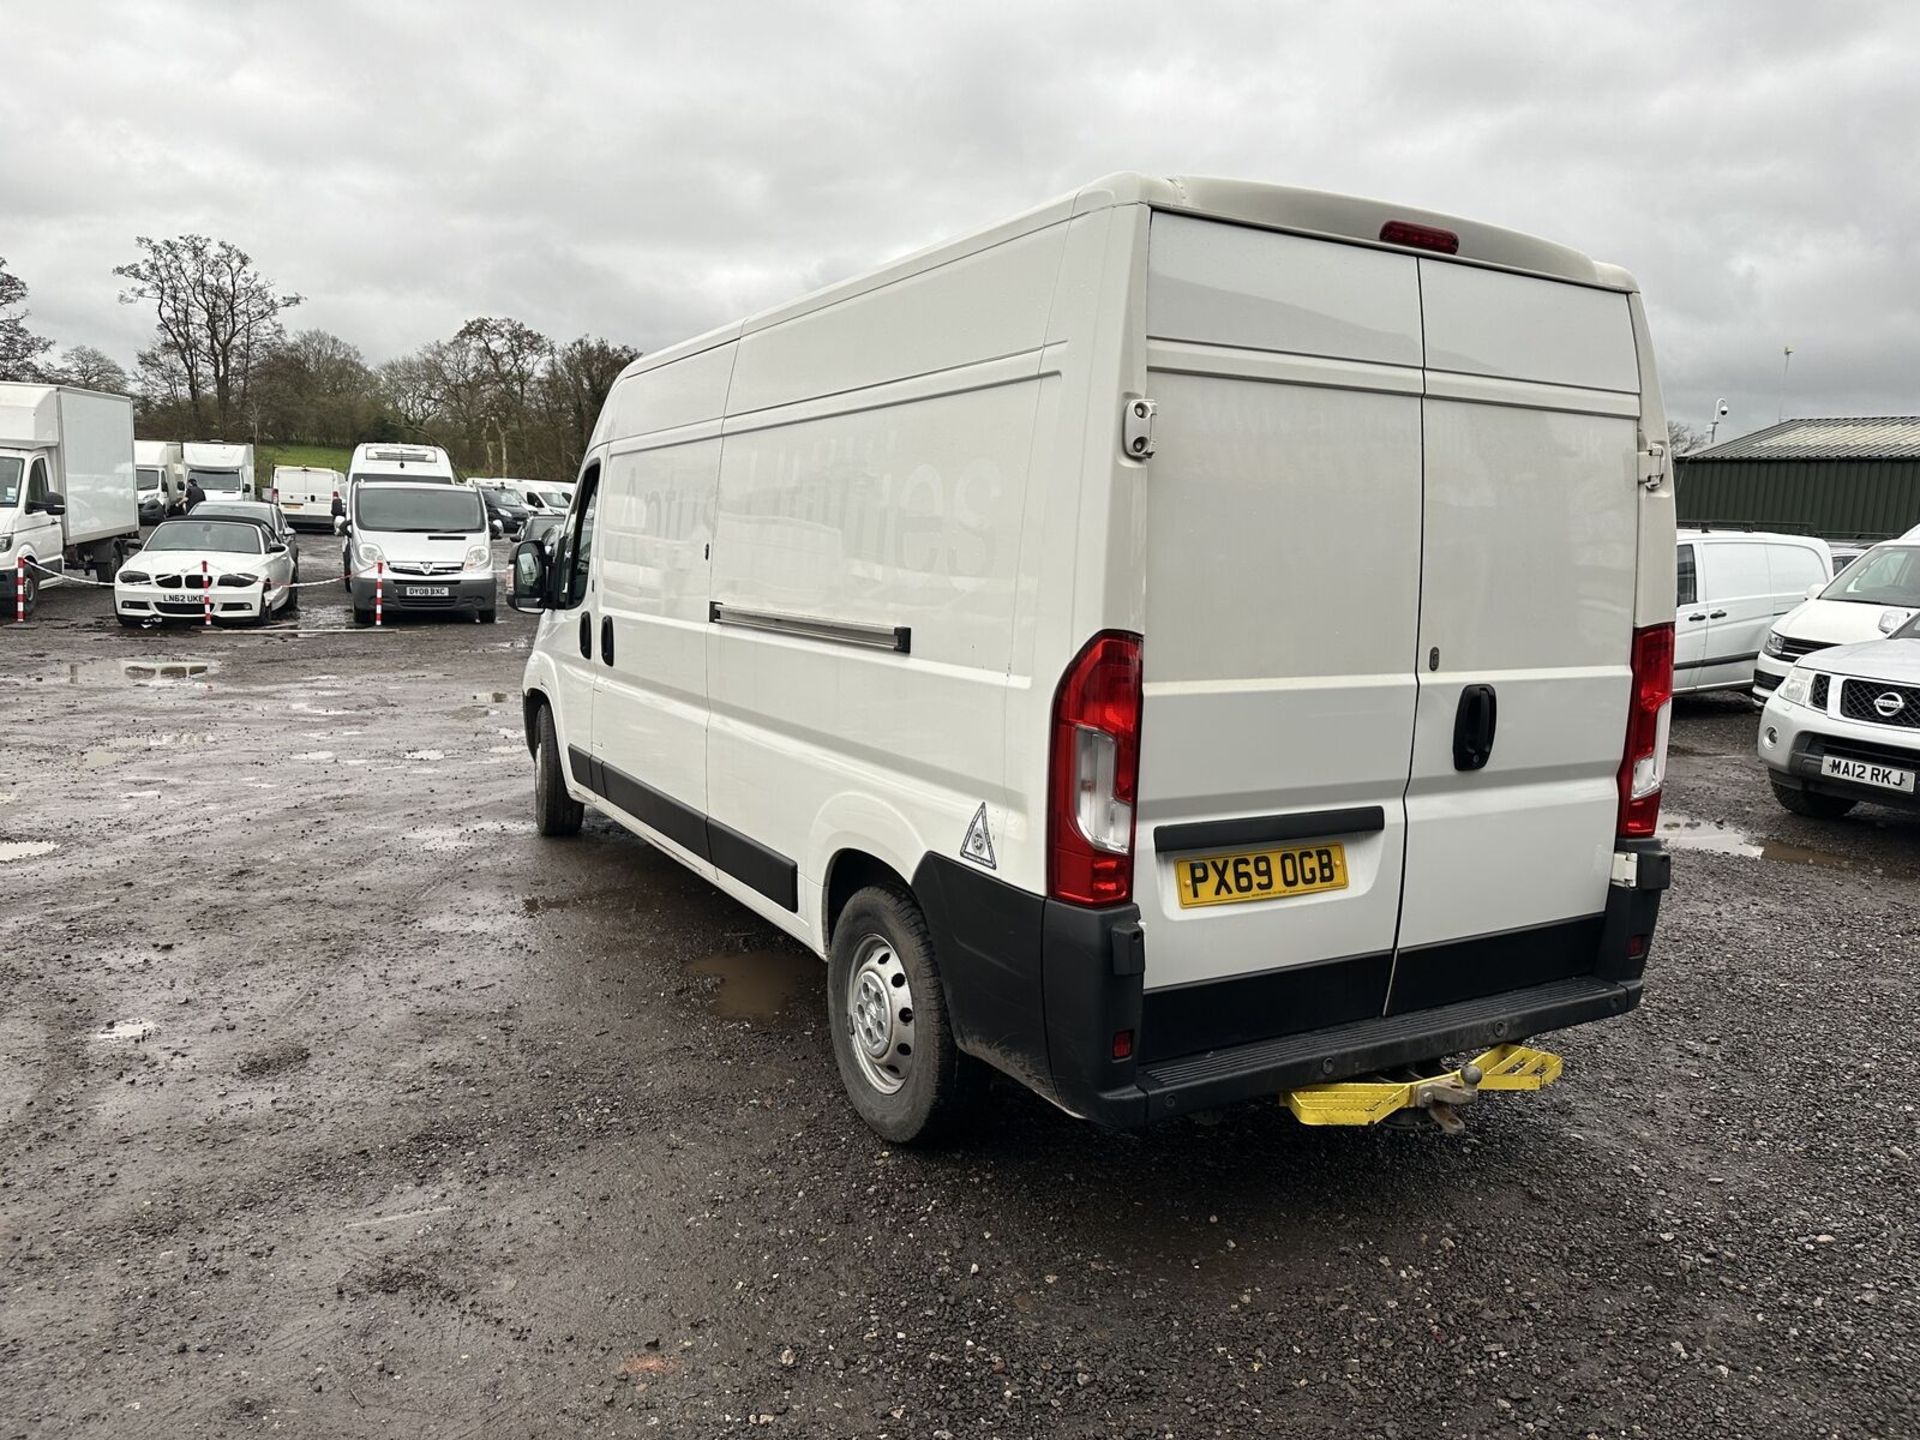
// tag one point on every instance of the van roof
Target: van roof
(1347, 219)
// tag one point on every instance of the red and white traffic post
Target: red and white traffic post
(206, 591)
(20, 589)
(379, 588)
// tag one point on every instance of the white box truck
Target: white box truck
(306, 494)
(162, 479)
(223, 471)
(68, 501)
(1193, 642)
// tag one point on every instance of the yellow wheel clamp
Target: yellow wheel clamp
(1367, 1102)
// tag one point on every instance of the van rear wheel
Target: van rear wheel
(1813, 806)
(554, 811)
(892, 1038)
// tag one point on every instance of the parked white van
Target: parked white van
(982, 622)
(419, 545)
(1872, 597)
(1732, 585)
(307, 492)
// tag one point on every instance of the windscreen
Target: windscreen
(211, 480)
(238, 537)
(1888, 575)
(392, 508)
(11, 469)
(149, 477)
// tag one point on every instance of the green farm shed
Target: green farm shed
(1844, 478)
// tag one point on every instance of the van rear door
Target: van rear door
(1530, 519)
(1283, 591)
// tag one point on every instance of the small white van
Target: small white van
(990, 624)
(419, 545)
(1731, 586)
(307, 492)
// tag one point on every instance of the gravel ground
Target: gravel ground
(334, 1102)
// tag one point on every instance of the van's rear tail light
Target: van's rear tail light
(1643, 769)
(1420, 237)
(1094, 771)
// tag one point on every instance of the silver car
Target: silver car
(1844, 726)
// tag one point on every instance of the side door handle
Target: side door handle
(606, 638)
(1698, 615)
(586, 637)
(1716, 615)
(1473, 727)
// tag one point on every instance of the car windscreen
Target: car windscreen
(393, 507)
(216, 479)
(12, 467)
(208, 510)
(149, 477)
(558, 499)
(238, 537)
(1885, 575)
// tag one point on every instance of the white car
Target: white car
(235, 566)
(1878, 592)
(1844, 726)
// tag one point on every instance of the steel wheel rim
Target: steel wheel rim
(879, 1020)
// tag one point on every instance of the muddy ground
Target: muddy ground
(333, 1102)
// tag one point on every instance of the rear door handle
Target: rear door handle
(1698, 615)
(1716, 615)
(606, 638)
(586, 637)
(1473, 727)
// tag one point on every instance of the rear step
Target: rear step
(1366, 1047)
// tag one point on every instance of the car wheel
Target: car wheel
(130, 622)
(362, 617)
(892, 1039)
(554, 811)
(291, 605)
(1813, 806)
(488, 615)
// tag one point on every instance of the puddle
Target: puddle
(26, 849)
(7, 797)
(491, 697)
(426, 755)
(506, 749)
(759, 984)
(139, 794)
(139, 672)
(1684, 834)
(125, 1030)
(313, 755)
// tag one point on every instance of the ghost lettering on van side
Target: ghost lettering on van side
(1220, 876)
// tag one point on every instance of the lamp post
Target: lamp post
(1786, 359)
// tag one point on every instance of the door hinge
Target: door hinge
(1653, 464)
(1136, 428)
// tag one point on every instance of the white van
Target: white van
(307, 492)
(990, 624)
(419, 545)
(1731, 587)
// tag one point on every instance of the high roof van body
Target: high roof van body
(1190, 641)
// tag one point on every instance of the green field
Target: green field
(318, 457)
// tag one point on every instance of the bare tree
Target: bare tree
(1683, 439)
(91, 369)
(216, 316)
(20, 348)
(574, 388)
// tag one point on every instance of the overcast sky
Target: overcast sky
(645, 171)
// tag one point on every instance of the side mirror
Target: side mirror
(497, 528)
(529, 591)
(276, 548)
(1891, 620)
(1813, 590)
(54, 504)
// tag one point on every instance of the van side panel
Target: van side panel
(873, 477)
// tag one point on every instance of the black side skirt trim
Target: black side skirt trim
(1717, 660)
(1260, 829)
(754, 865)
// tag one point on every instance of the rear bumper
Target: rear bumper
(1041, 990)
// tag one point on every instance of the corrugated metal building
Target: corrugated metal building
(1844, 477)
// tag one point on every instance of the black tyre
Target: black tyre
(362, 617)
(487, 615)
(892, 1039)
(1813, 806)
(130, 622)
(291, 606)
(106, 561)
(554, 811)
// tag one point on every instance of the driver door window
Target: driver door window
(574, 570)
(37, 488)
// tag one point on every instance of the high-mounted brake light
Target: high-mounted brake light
(1643, 769)
(1094, 772)
(1420, 237)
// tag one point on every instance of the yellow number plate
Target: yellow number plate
(1244, 875)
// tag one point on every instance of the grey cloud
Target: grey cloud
(645, 172)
